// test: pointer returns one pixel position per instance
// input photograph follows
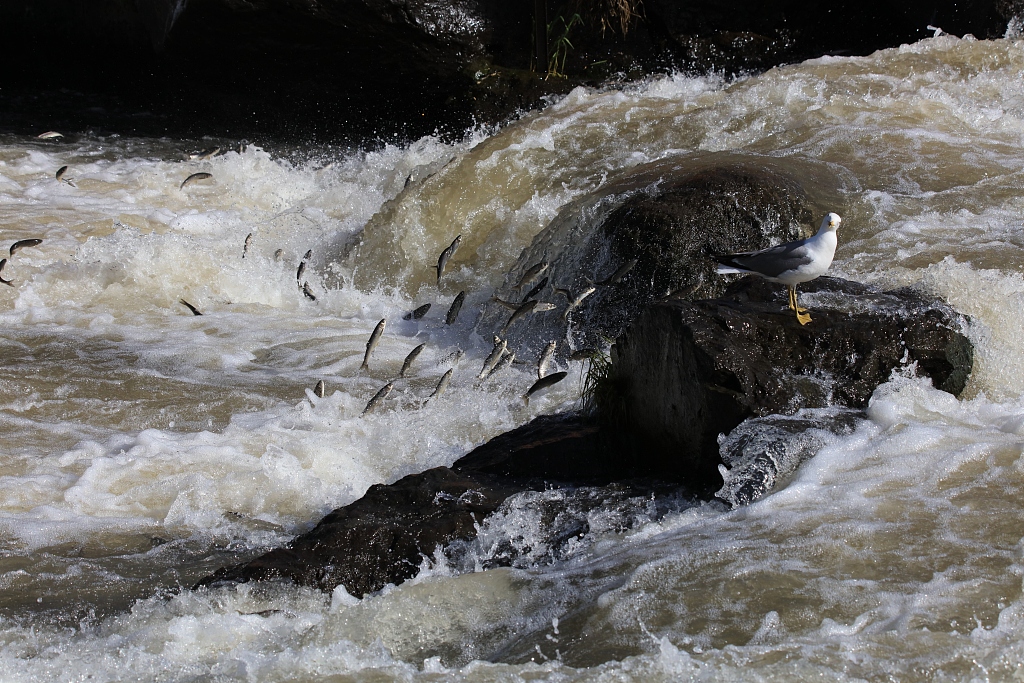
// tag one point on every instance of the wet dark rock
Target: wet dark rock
(383, 537)
(666, 217)
(762, 453)
(686, 372)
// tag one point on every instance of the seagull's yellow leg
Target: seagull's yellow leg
(802, 316)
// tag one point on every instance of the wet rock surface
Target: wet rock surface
(648, 236)
(686, 372)
(383, 537)
(762, 453)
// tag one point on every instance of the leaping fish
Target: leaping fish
(545, 358)
(531, 272)
(204, 154)
(442, 384)
(50, 135)
(60, 176)
(531, 306)
(9, 283)
(453, 310)
(195, 311)
(320, 389)
(372, 343)
(578, 300)
(492, 359)
(410, 358)
(308, 291)
(620, 272)
(245, 247)
(543, 383)
(442, 260)
(22, 244)
(536, 290)
(302, 266)
(506, 360)
(505, 304)
(379, 397)
(418, 313)
(202, 175)
(583, 354)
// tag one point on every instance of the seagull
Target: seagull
(790, 263)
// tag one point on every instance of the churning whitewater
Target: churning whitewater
(145, 446)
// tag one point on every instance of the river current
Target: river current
(144, 446)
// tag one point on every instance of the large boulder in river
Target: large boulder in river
(382, 537)
(686, 372)
(649, 235)
(683, 373)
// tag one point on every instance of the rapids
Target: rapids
(142, 446)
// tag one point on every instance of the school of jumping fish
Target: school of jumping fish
(500, 356)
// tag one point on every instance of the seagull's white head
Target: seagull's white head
(830, 222)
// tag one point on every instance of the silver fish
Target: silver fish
(543, 383)
(50, 135)
(505, 361)
(302, 266)
(202, 175)
(9, 283)
(195, 311)
(578, 300)
(545, 358)
(60, 172)
(453, 310)
(452, 358)
(278, 254)
(418, 313)
(620, 272)
(493, 358)
(536, 290)
(320, 388)
(245, 247)
(683, 292)
(582, 354)
(409, 359)
(379, 397)
(525, 309)
(505, 304)
(22, 244)
(442, 385)
(442, 260)
(308, 291)
(532, 272)
(372, 343)
(204, 154)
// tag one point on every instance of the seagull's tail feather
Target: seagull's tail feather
(727, 264)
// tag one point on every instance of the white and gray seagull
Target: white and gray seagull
(790, 263)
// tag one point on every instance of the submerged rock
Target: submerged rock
(383, 537)
(763, 453)
(686, 372)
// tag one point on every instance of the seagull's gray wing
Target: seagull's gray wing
(772, 261)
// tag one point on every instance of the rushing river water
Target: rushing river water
(143, 447)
